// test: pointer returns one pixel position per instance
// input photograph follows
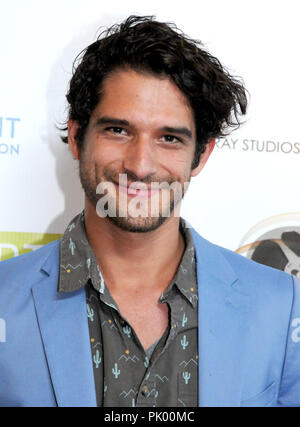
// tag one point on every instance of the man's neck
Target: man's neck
(133, 260)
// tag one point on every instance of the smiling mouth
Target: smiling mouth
(138, 189)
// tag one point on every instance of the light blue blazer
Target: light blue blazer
(249, 333)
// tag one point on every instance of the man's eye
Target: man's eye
(115, 129)
(171, 139)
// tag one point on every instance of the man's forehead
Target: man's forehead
(128, 94)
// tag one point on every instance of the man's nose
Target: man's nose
(141, 158)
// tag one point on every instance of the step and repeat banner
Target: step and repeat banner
(246, 198)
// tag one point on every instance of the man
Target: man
(132, 307)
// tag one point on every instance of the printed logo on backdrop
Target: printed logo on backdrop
(9, 130)
(275, 242)
(231, 144)
(14, 244)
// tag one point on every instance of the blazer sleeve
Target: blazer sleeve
(289, 391)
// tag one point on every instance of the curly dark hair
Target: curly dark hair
(143, 44)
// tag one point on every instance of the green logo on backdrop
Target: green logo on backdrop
(14, 244)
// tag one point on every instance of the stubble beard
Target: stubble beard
(140, 224)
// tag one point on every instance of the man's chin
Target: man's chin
(137, 225)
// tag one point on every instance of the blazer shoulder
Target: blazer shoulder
(272, 290)
(24, 269)
(249, 268)
(246, 270)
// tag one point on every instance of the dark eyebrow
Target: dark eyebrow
(178, 130)
(111, 121)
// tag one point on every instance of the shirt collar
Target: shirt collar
(78, 263)
(77, 260)
(185, 279)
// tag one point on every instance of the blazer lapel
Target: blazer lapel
(64, 329)
(223, 314)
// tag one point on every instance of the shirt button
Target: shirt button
(145, 390)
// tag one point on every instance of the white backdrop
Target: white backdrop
(252, 175)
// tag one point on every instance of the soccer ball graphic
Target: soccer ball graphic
(275, 242)
(283, 253)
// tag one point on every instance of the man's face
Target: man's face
(143, 128)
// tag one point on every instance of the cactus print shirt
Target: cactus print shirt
(127, 375)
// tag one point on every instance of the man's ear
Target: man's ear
(204, 157)
(73, 127)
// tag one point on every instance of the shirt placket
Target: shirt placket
(145, 395)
